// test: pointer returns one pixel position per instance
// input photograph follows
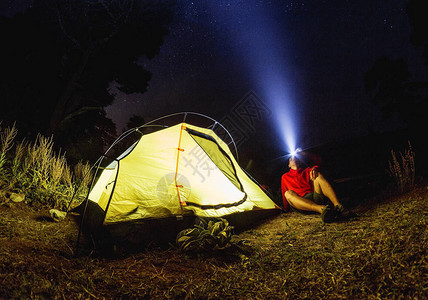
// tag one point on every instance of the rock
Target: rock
(57, 215)
(17, 197)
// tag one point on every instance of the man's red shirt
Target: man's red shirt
(298, 181)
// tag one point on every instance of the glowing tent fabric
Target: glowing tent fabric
(177, 171)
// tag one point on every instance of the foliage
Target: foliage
(6, 143)
(392, 86)
(206, 235)
(61, 57)
(39, 173)
(82, 140)
(135, 121)
(403, 173)
(399, 92)
(417, 10)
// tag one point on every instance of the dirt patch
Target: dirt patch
(382, 254)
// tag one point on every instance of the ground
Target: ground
(381, 254)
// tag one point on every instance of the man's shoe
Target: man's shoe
(328, 214)
(343, 214)
(339, 208)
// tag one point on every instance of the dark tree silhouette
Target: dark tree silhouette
(60, 58)
(417, 12)
(393, 87)
(390, 81)
(135, 121)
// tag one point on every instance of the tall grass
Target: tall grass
(6, 143)
(35, 170)
(402, 169)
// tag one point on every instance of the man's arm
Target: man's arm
(313, 174)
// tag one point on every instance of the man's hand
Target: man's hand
(314, 173)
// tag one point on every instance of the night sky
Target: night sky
(305, 60)
(315, 52)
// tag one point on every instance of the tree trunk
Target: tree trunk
(66, 99)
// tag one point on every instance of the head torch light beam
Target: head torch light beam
(294, 152)
(265, 49)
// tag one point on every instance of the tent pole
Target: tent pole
(86, 204)
(176, 170)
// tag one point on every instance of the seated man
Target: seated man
(306, 190)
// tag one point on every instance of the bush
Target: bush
(38, 172)
(403, 171)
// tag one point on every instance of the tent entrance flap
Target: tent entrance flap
(221, 158)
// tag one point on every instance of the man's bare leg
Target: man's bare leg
(302, 203)
(322, 186)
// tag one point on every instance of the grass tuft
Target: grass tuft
(403, 171)
(7, 137)
(35, 170)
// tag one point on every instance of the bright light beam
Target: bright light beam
(262, 45)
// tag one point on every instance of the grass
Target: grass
(38, 172)
(403, 170)
(382, 254)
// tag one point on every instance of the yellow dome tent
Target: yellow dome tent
(169, 177)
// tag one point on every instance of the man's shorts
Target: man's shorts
(316, 198)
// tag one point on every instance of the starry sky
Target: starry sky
(314, 53)
(304, 60)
